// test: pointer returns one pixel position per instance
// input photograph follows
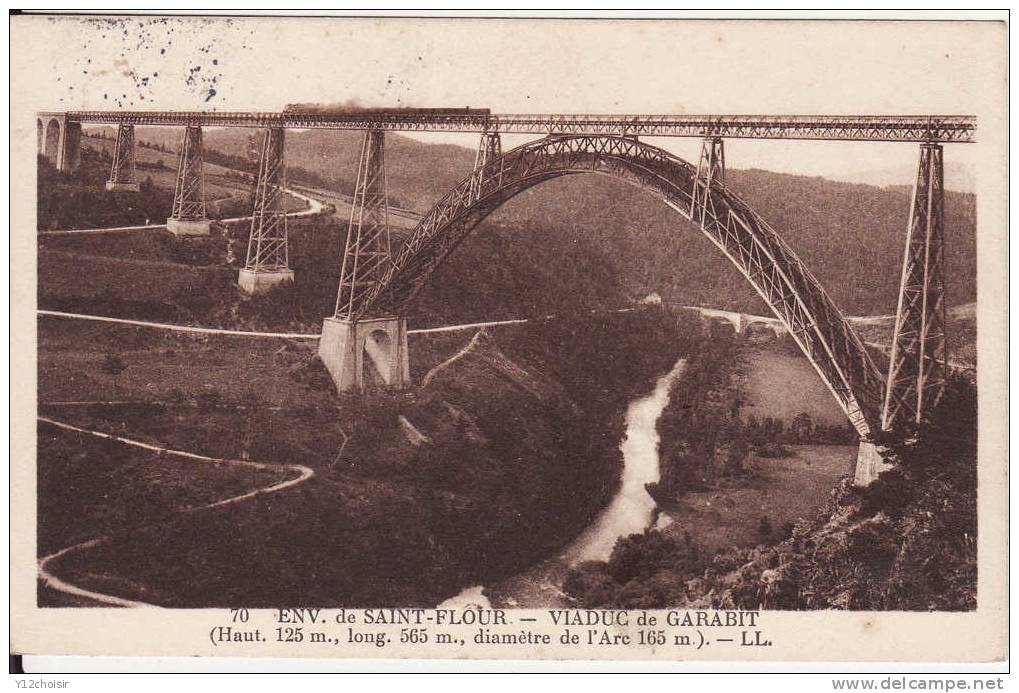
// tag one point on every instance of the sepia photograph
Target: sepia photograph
(484, 333)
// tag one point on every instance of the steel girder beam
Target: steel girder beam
(919, 358)
(771, 267)
(267, 242)
(366, 254)
(189, 191)
(893, 128)
(122, 171)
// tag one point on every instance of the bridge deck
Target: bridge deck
(883, 128)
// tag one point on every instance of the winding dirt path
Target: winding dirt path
(314, 207)
(175, 328)
(45, 564)
(293, 335)
(453, 359)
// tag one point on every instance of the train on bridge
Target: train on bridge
(325, 109)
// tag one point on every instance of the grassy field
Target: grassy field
(155, 276)
(161, 365)
(128, 288)
(776, 491)
(779, 492)
(782, 385)
(89, 487)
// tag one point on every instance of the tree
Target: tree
(113, 364)
(736, 455)
(802, 428)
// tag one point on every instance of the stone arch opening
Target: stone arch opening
(378, 352)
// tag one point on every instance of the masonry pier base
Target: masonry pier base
(345, 344)
(260, 281)
(121, 187)
(870, 462)
(185, 227)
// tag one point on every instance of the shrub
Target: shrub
(113, 364)
(772, 450)
(208, 400)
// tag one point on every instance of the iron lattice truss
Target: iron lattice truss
(710, 172)
(489, 148)
(747, 240)
(122, 170)
(189, 192)
(267, 242)
(916, 375)
(894, 128)
(366, 254)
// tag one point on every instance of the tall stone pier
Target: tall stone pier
(59, 140)
(345, 344)
(870, 462)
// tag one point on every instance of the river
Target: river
(630, 511)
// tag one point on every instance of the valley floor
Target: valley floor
(776, 495)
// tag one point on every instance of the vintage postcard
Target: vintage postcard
(509, 338)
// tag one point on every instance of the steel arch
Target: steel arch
(771, 267)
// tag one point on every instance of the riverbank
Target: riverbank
(865, 550)
(735, 473)
(630, 510)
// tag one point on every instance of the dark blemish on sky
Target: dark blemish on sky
(145, 43)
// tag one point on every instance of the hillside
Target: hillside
(417, 174)
(849, 235)
(504, 455)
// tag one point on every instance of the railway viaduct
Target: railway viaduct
(377, 285)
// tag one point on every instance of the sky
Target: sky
(539, 66)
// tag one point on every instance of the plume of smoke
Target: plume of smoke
(354, 106)
(348, 106)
